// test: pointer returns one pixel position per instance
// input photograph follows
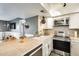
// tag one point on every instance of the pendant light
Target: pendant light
(43, 21)
(26, 26)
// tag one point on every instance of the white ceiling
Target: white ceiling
(9, 11)
(58, 9)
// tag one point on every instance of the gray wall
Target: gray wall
(33, 25)
(32, 22)
(17, 25)
(72, 32)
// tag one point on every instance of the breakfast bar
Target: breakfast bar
(17, 48)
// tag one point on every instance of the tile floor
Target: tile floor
(54, 54)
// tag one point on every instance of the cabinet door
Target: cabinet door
(45, 50)
(74, 21)
(50, 45)
(74, 48)
(49, 23)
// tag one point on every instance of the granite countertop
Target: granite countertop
(61, 38)
(74, 39)
(16, 48)
(42, 38)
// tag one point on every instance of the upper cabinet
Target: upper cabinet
(49, 23)
(74, 21)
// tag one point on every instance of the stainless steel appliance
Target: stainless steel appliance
(62, 33)
(61, 45)
(62, 22)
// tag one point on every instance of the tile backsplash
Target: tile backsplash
(48, 31)
(63, 29)
(72, 33)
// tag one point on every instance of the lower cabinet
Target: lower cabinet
(42, 50)
(50, 46)
(74, 48)
(47, 47)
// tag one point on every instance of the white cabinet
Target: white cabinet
(74, 48)
(50, 45)
(45, 50)
(47, 47)
(74, 21)
(47, 44)
(49, 23)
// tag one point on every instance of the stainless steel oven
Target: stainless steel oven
(61, 47)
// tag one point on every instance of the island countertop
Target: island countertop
(16, 48)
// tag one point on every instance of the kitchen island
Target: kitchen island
(17, 48)
(35, 46)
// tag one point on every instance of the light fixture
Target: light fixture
(22, 21)
(43, 21)
(54, 12)
(64, 5)
(26, 26)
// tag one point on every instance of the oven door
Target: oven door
(61, 45)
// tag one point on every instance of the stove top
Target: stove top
(66, 38)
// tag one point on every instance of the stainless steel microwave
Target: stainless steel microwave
(61, 22)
